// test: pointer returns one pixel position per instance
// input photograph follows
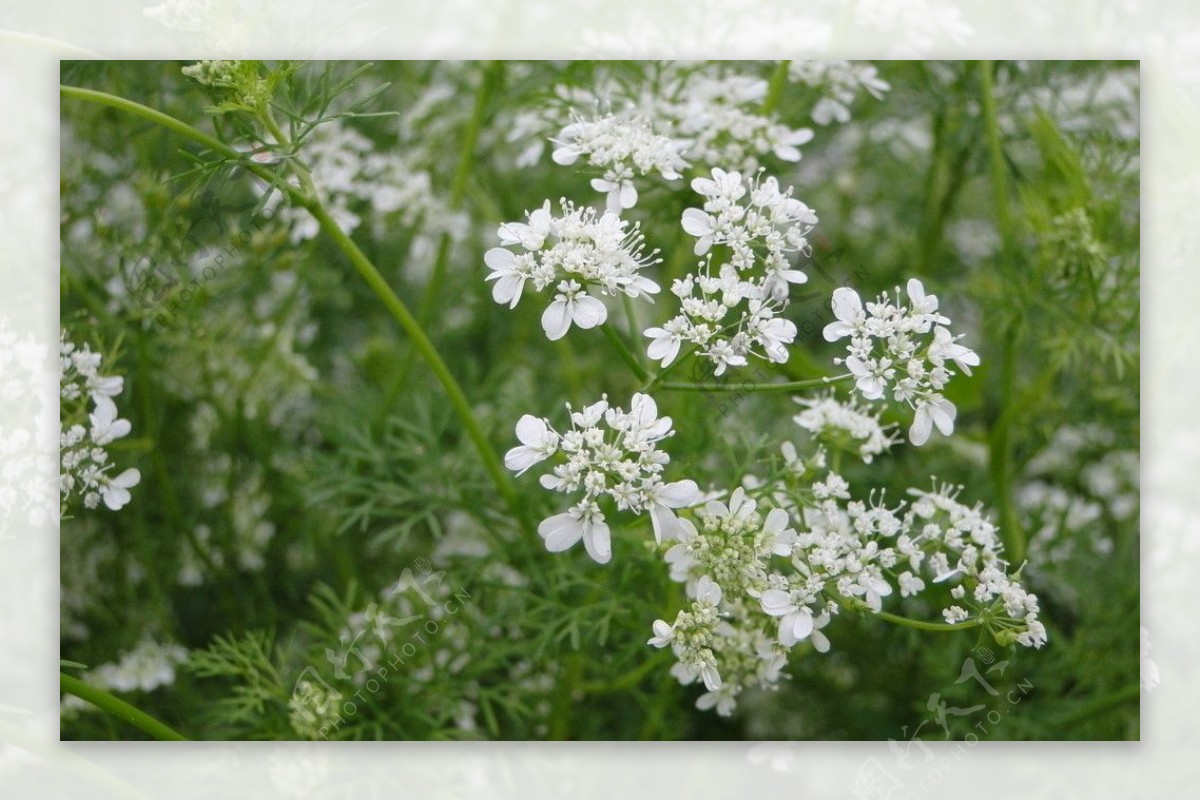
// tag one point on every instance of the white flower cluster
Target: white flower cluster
(608, 452)
(759, 586)
(720, 114)
(844, 425)
(148, 666)
(233, 497)
(761, 227)
(84, 460)
(623, 148)
(890, 349)
(347, 171)
(1062, 517)
(706, 115)
(576, 251)
(212, 73)
(313, 707)
(840, 82)
(965, 545)
(725, 639)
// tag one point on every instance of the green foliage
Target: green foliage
(312, 507)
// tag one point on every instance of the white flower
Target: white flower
(579, 253)
(572, 304)
(116, 490)
(795, 620)
(890, 349)
(936, 412)
(621, 148)
(762, 226)
(539, 442)
(662, 500)
(701, 225)
(665, 346)
(509, 275)
(584, 521)
(608, 451)
(910, 584)
(105, 425)
(664, 634)
(848, 309)
(724, 700)
(945, 347)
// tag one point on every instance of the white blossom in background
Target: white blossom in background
(607, 452)
(622, 149)
(575, 252)
(145, 668)
(351, 177)
(706, 115)
(718, 112)
(840, 83)
(87, 395)
(1065, 519)
(844, 424)
(906, 350)
(731, 310)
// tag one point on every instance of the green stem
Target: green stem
(118, 708)
(635, 332)
(1001, 444)
(775, 89)
(458, 185)
(178, 126)
(428, 352)
(995, 151)
(626, 354)
(733, 386)
(925, 625)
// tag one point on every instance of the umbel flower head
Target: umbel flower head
(623, 148)
(608, 452)
(760, 226)
(84, 466)
(904, 349)
(575, 252)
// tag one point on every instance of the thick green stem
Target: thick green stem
(118, 708)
